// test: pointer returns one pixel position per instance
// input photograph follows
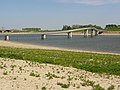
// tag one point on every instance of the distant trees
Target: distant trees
(31, 29)
(66, 27)
(112, 27)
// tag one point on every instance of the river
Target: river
(101, 43)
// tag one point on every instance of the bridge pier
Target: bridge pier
(93, 32)
(96, 33)
(7, 38)
(86, 33)
(43, 36)
(69, 34)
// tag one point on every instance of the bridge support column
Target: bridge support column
(43, 36)
(86, 33)
(93, 32)
(69, 34)
(96, 33)
(7, 38)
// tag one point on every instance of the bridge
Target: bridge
(86, 32)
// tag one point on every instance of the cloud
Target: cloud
(92, 2)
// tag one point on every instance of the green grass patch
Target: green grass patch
(98, 63)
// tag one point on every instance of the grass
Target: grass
(98, 63)
(112, 87)
(98, 87)
(34, 74)
(63, 85)
(43, 88)
(113, 29)
(51, 76)
(5, 73)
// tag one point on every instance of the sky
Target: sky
(53, 14)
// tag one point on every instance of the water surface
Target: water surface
(101, 43)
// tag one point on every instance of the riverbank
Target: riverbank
(35, 67)
(98, 63)
(27, 75)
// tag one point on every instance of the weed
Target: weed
(63, 85)
(20, 68)
(111, 87)
(44, 88)
(87, 82)
(14, 78)
(50, 75)
(35, 75)
(32, 74)
(1, 67)
(5, 73)
(25, 79)
(37, 87)
(97, 87)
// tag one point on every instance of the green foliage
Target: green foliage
(66, 27)
(32, 74)
(112, 27)
(50, 75)
(32, 29)
(44, 88)
(63, 85)
(5, 73)
(88, 83)
(111, 87)
(99, 63)
(98, 87)
(35, 75)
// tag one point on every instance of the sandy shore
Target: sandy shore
(26, 75)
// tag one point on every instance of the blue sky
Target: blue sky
(53, 14)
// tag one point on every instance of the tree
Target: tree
(66, 27)
(112, 27)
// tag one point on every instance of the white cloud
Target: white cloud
(92, 2)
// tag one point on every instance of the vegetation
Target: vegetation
(50, 75)
(99, 63)
(67, 27)
(32, 29)
(5, 73)
(34, 74)
(112, 87)
(112, 27)
(98, 87)
(63, 85)
(44, 88)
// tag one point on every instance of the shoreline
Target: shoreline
(58, 33)
(31, 46)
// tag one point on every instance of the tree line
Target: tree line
(31, 29)
(112, 27)
(107, 27)
(67, 27)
